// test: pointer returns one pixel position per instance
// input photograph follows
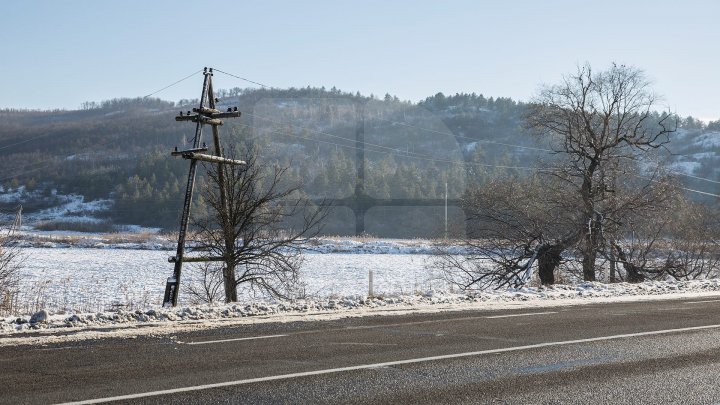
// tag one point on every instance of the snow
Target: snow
(470, 147)
(13, 196)
(134, 237)
(82, 279)
(117, 292)
(157, 321)
(708, 140)
(378, 246)
(67, 208)
(74, 208)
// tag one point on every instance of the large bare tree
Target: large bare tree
(596, 123)
(257, 227)
(601, 187)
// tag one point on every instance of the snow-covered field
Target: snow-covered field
(103, 289)
(80, 279)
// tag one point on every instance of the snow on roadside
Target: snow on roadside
(120, 323)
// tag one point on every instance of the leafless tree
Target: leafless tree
(513, 224)
(599, 188)
(694, 250)
(595, 122)
(259, 228)
(676, 238)
(207, 283)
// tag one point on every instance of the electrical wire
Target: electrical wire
(173, 84)
(676, 186)
(386, 149)
(398, 153)
(678, 173)
(465, 137)
(524, 147)
(336, 136)
(242, 78)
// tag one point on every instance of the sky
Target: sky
(59, 54)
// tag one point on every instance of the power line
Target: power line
(693, 177)
(50, 133)
(442, 133)
(523, 147)
(387, 149)
(95, 145)
(173, 84)
(396, 152)
(336, 136)
(676, 186)
(26, 140)
(465, 137)
(242, 78)
(399, 153)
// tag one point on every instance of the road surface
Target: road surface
(646, 352)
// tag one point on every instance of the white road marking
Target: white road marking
(701, 302)
(385, 364)
(232, 340)
(362, 344)
(524, 314)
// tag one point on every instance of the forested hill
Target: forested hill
(118, 150)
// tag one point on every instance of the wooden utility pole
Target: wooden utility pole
(205, 114)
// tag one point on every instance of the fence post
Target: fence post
(371, 293)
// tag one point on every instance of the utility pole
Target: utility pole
(203, 115)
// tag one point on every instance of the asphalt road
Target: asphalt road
(646, 352)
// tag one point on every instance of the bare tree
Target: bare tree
(596, 121)
(257, 229)
(676, 238)
(207, 283)
(694, 249)
(513, 224)
(582, 206)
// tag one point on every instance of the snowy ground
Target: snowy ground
(66, 208)
(115, 288)
(157, 320)
(91, 280)
(150, 239)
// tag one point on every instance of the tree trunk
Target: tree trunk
(548, 260)
(590, 250)
(633, 272)
(229, 283)
(588, 264)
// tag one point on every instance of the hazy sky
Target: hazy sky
(57, 54)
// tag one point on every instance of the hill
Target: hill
(108, 164)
